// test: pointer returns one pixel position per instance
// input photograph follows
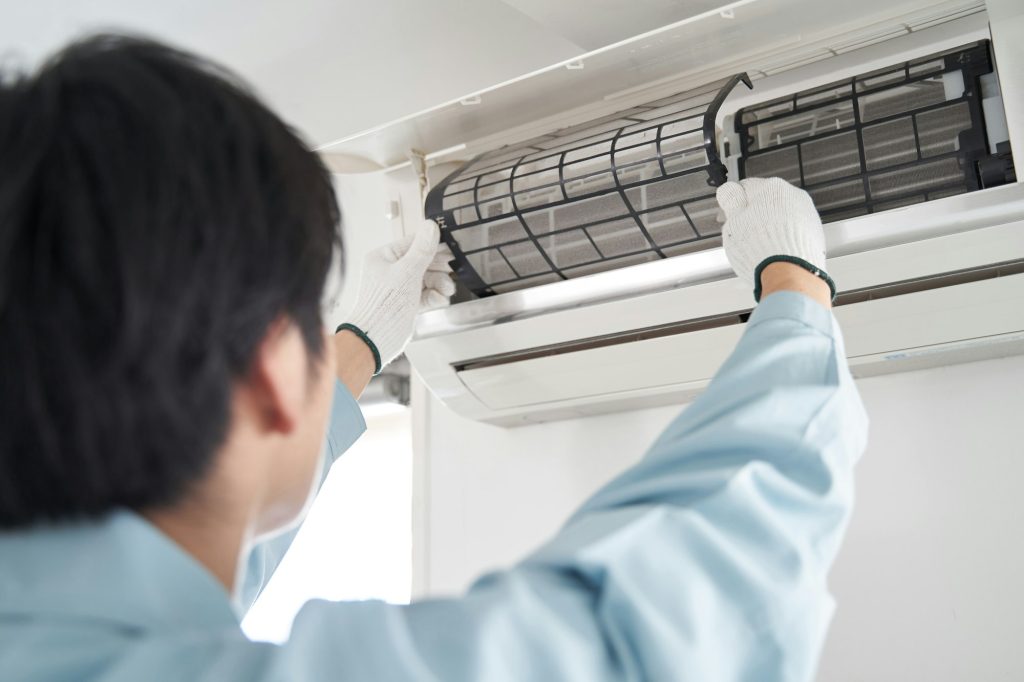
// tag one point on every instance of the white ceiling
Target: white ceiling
(591, 24)
(334, 68)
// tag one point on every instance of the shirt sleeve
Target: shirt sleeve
(345, 426)
(705, 561)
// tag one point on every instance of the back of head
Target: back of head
(155, 220)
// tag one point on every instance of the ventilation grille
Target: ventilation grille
(625, 189)
(894, 137)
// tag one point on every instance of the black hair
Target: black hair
(155, 220)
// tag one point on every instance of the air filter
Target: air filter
(628, 188)
(902, 135)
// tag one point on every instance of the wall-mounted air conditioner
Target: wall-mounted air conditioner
(586, 237)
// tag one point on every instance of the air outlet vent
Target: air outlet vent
(628, 188)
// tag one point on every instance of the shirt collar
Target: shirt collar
(120, 569)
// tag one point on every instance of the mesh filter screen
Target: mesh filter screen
(894, 137)
(624, 189)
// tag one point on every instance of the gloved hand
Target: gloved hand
(768, 221)
(399, 280)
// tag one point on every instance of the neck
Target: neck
(214, 538)
(214, 522)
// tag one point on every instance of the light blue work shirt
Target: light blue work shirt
(706, 561)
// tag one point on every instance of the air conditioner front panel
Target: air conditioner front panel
(923, 323)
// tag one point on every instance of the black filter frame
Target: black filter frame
(970, 144)
(675, 136)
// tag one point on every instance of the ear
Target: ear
(277, 382)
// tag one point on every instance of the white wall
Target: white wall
(928, 581)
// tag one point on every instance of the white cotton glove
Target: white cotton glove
(398, 281)
(767, 221)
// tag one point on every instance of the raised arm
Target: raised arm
(706, 561)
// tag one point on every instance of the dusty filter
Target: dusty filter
(902, 135)
(632, 187)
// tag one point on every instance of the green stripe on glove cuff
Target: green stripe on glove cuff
(377, 365)
(809, 267)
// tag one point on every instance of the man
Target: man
(165, 384)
